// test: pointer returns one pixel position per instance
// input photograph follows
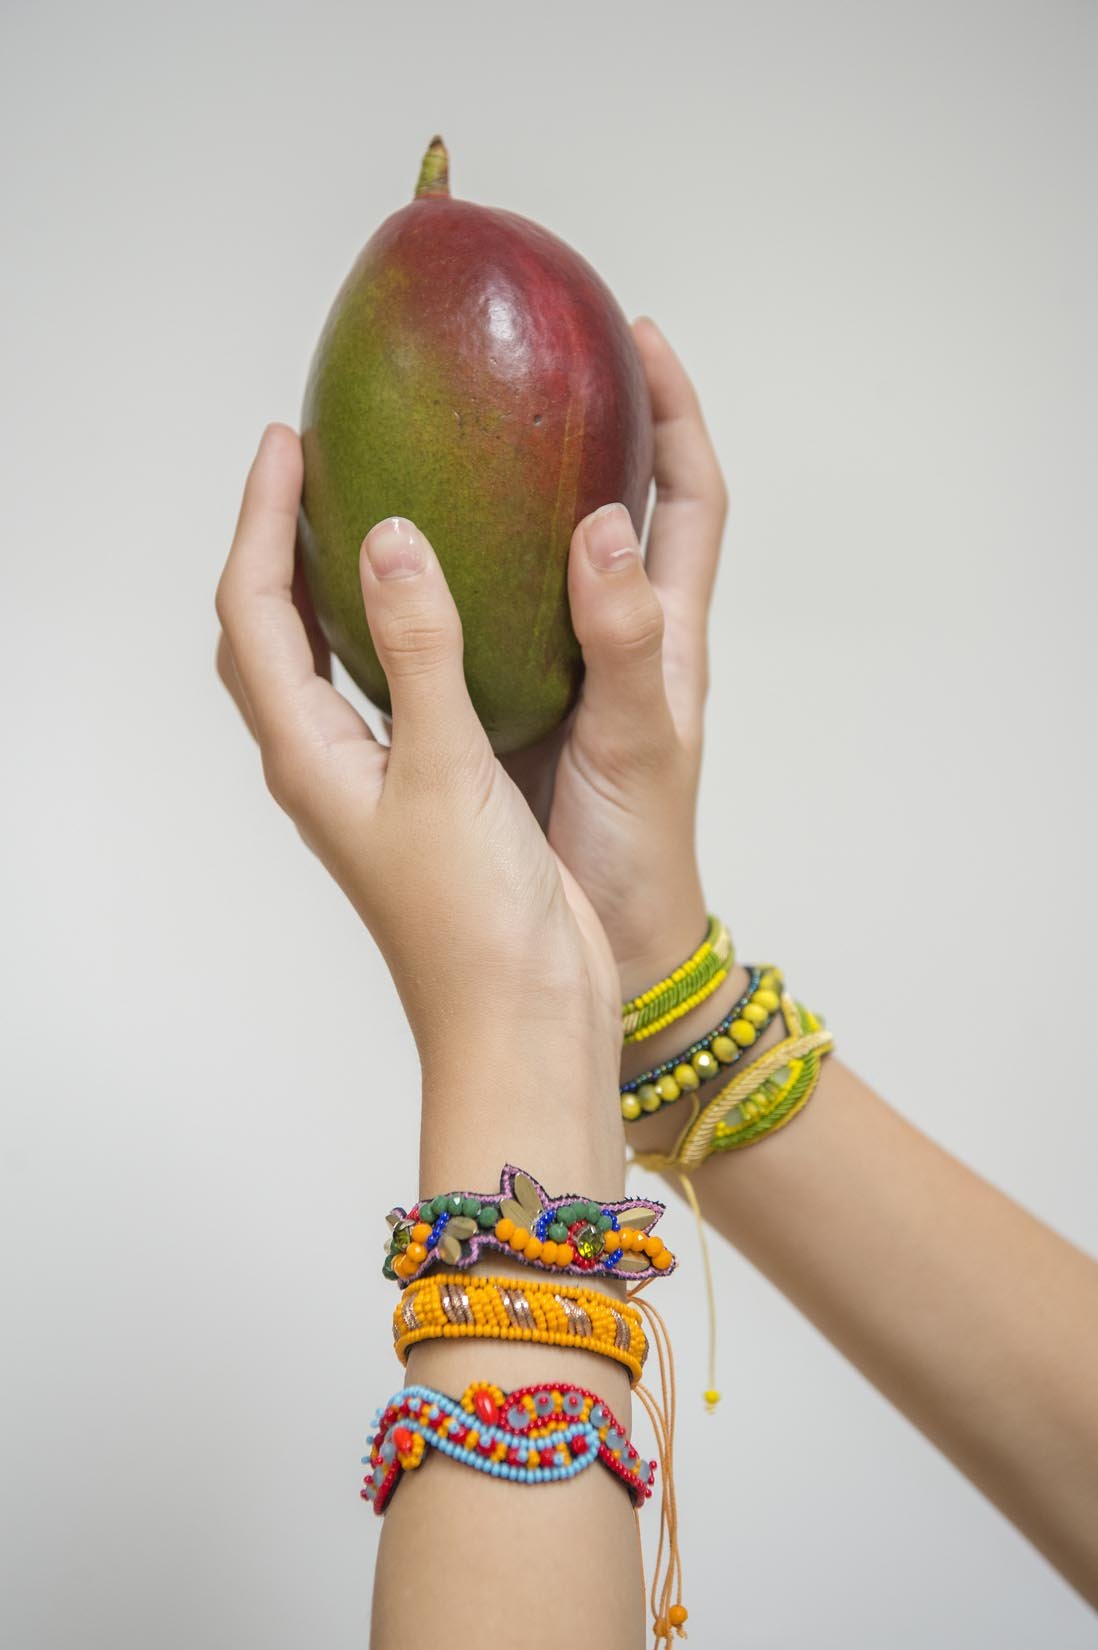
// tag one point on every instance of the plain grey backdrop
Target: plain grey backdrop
(870, 230)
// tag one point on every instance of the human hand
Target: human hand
(491, 943)
(616, 788)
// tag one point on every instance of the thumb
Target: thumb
(618, 620)
(417, 633)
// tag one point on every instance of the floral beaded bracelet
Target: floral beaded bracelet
(721, 1047)
(533, 1435)
(683, 989)
(449, 1306)
(556, 1234)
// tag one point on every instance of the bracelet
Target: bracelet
(722, 1046)
(683, 989)
(773, 1090)
(447, 1305)
(533, 1435)
(557, 1234)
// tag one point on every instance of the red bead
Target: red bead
(459, 1433)
(486, 1408)
(402, 1438)
(514, 1458)
(486, 1445)
(579, 1445)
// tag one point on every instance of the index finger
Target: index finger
(684, 538)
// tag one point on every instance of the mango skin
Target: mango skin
(477, 376)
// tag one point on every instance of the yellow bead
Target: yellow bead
(504, 1228)
(630, 1106)
(549, 1253)
(712, 1397)
(725, 1050)
(685, 1076)
(677, 1614)
(420, 1232)
(663, 1260)
(519, 1238)
(532, 1249)
(768, 999)
(666, 1089)
(416, 1252)
(756, 1013)
(705, 1065)
(743, 1033)
(652, 1246)
(648, 1096)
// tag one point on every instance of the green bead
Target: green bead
(453, 1204)
(427, 1212)
(558, 1231)
(487, 1216)
(387, 1267)
(592, 1212)
(604, 1223)
(470, 1207)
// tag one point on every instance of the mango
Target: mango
(476, 375)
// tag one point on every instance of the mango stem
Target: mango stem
(434, 174)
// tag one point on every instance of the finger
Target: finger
(691, 498)
(417, 633)
(296, 714)
(229, 675)
(618, 619)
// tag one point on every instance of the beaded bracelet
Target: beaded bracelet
(722, 1046)
(770, 1088)
(556, 1234)
(447, 1305)
(533, 1435)
(683, 989)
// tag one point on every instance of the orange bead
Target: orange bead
(565, 1254)
(663, 1260)
(652, 1246)
(504, 1228)
(420, 1232)
(677, 1614)
(416, 1252)
(549, 1253)
(532, 1249)
(519, 1238)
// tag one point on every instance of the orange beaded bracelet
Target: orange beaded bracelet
(452, 1305)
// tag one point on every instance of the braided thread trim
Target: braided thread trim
(670, 998)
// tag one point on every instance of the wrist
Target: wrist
(541, 1096)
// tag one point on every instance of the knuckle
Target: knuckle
(286, 779)
(636, 633)
(418, 642)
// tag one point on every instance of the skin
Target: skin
(429, 837)
(972, 1317)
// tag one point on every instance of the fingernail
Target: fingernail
(609, 539)
(397, 549)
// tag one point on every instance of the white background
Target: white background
(870, 230)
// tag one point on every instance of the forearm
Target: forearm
(463, 1555)
(973, 1318)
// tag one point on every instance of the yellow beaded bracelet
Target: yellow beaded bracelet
(454, 1304)
(683, 989)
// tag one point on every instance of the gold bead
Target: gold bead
(666, 1089)
(631, 1106)
(686, 1076)
(725, 1050)
(705, 1064)
(650, 1097)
